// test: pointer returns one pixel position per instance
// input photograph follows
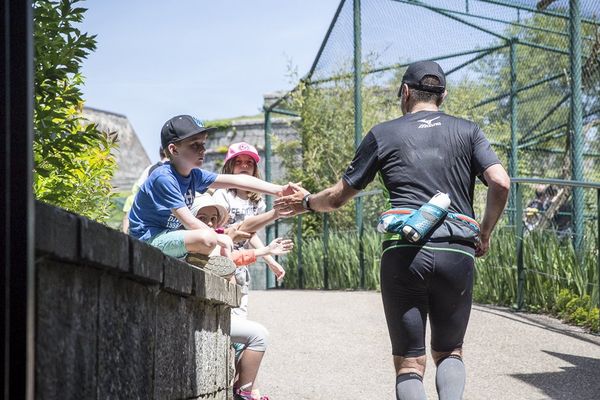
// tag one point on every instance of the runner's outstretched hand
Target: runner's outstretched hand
(291, 201)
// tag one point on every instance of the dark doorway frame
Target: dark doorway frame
(16, 200)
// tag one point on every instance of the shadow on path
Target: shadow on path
(536, 321)
(580, 381)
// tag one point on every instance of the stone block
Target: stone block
(215, 288)
(173, 347)
(204, 330)
(56, 232)
(177, 276)
(146, 261)
(223, 344)
(126, 338)
(66, 331)
(101, 245)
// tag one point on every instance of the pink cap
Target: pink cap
(240, 148)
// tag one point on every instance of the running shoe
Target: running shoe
(218, 265)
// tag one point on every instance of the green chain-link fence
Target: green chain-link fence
(528, 72)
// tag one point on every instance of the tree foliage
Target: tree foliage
(326, 142)
(73, 163)
(546, 106)
(326, 145)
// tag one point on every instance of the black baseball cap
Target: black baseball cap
(417, 71)
(182, 127)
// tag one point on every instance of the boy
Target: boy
(162, 206)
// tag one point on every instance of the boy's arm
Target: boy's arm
(187, 219)
(244, 182)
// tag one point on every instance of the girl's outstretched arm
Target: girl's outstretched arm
(257, 222)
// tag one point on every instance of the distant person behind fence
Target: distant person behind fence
(429, 249)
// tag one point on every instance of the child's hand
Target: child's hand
(280, 246)
(237, 235)
(277, 270)
(277, 214)
(226, 243)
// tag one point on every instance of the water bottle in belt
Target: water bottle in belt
(429, 215)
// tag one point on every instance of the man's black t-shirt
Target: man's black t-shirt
(421, 153)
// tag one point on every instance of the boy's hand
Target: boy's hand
(226, 243)
(289, 189)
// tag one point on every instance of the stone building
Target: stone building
(130, 154)
(250, 131)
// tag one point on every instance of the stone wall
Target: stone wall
(116, 319)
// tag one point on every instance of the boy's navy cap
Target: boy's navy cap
(417, 71)
(182, 127)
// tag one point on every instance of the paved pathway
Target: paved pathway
(334, 346)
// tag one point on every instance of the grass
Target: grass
(555, 281)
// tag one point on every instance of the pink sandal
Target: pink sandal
(246, 395)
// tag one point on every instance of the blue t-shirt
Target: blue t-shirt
(163, 191)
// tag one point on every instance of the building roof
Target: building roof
(130, 154)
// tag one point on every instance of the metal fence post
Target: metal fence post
(513, 167)
(270, 277)
(326, 251)
(519, 247)
(299, 245)
(358, 130)
(598, 243)
(576, 124)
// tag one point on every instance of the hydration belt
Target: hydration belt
(454, 226)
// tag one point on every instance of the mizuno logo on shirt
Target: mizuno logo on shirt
(428, 123)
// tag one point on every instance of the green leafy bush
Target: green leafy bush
(73, 163)
(577, 310)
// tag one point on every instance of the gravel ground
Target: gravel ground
(334, 345)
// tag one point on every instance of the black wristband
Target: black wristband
(306, 202)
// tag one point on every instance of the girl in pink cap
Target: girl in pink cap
(242, 158)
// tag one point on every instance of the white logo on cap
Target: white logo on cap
(427, 123)
(198, 122)
(244, 146)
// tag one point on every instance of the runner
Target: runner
(418, 154)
